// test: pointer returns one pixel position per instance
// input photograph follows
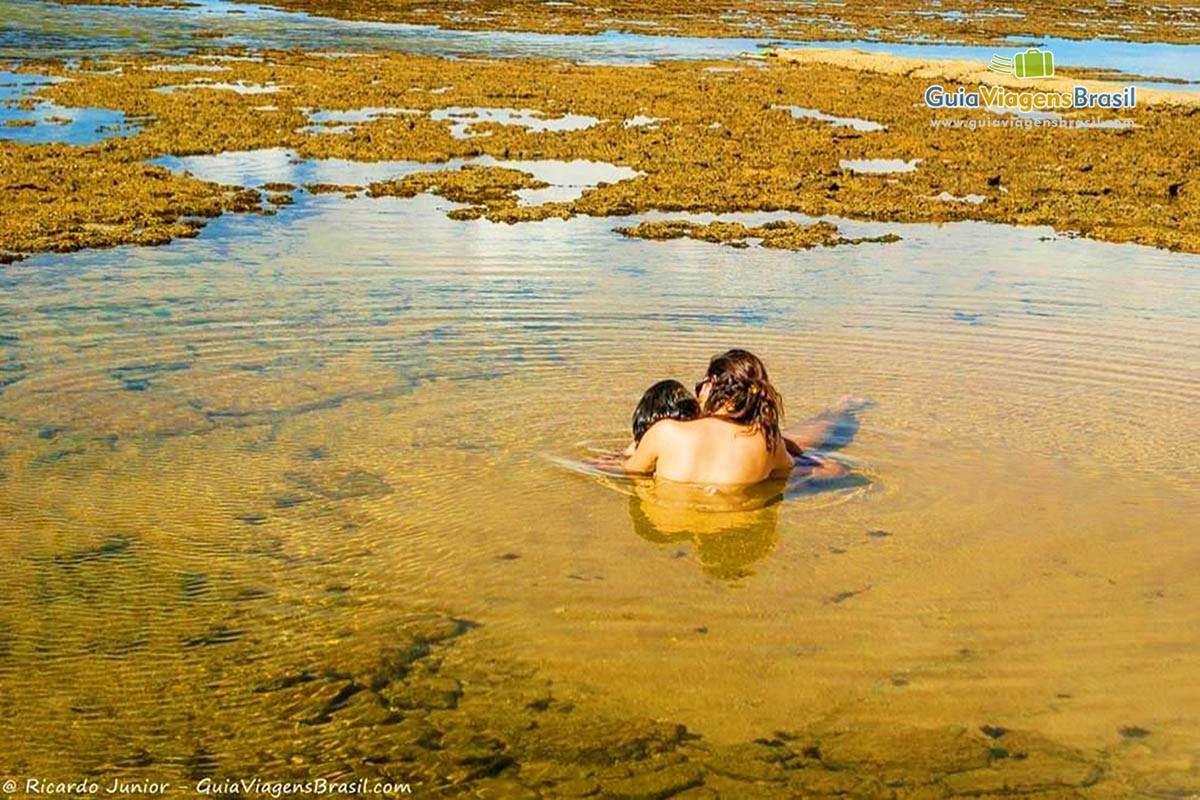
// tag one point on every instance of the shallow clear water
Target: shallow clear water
(48, 122)
(366, 395)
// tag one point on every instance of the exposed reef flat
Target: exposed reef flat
(901, 20)
(483, 188)
(780, 235)
(60, 198)
(722, 141)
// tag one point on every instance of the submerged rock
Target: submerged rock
(431, 693)
(55, 200)
(504, 789)
(112, 547)
(654, 785)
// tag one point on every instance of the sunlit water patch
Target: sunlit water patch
(880, 166)
(464, 119)
(566, 179)
(641, 121)
(237, 87)
(971, 199)
(32, 120)
(185, 67)
(345, 121)
(857, 124)
(36, 29)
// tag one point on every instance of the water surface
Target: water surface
(366, 395)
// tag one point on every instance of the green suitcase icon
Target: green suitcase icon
(1033, 64)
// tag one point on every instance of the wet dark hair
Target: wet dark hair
(664, 400)
(740, 392)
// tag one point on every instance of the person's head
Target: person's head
(736, 388)
(664, 400)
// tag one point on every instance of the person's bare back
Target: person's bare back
(738, 439)
(708, 450)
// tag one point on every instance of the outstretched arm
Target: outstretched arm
(615, 461)
(645, 456)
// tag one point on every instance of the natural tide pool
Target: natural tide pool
(230, 464)
(28, 119)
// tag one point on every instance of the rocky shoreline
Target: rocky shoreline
(720, 139)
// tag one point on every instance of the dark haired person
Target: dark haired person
(667, 399)
(737, 440)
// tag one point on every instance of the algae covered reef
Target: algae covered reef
(487, 190)
(58, 199)
(704, 137)
(908, 20)
(780, 235)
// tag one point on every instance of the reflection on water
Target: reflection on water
(567, 179)
(232, 463)
(865, 125)
(879, 165)
(726, 544)
(465, 119)
(203, 84)
(25, 118)
(729, 529)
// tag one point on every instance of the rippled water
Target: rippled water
(233, 455)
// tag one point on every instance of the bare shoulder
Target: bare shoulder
(667, 430)
(781, 459)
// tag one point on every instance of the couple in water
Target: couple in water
(728, 433)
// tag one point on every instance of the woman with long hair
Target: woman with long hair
(737, 440)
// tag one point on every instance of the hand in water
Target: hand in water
(610, 461)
